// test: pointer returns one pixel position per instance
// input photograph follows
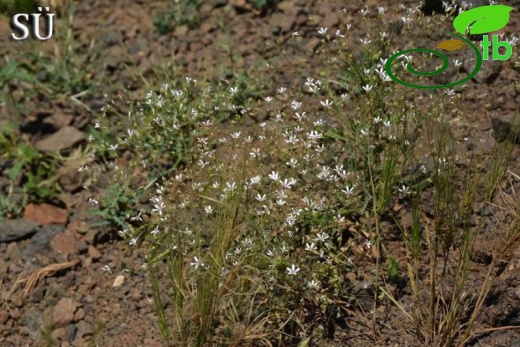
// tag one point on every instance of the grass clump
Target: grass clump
(11, 7)
(178, 12)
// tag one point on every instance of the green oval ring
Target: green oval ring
(478, 65)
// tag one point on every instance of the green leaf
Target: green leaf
(304, 343)
(393, 269)
(483, 19)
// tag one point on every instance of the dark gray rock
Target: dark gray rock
(17, 229)
(506, 127)
(40, 243)
(431, 6)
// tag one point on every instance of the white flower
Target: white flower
(196, 263)
(295, 33)
(155, 231)
(233, 90)
(281, 90)
(293, 270)
(83, 168)
(368, 244)
(255, 180)
(292, 139)
(133, 241)
(268, 99)
(299, 116)
(322, 237)
(326, 103)
(367, 88)
(290, 220)
(137, 218)
(255, 152)
(406, 20)
(313, 284)
(292, 162)
(106, 268)
(259, 197)
(295, 105)
(310, 247)
(365, 41)
(348, 191)
(159, 207)
(208, 209)
(230, 186)
(384, 75)
(338, 33)
(314, 135)
(274, 176)
(202, 163)
(322, 31)
(288, 183)
(381, 10)
(404, 189)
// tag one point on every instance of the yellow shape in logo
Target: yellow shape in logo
(451, 45)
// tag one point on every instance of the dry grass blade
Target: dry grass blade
(48, 270)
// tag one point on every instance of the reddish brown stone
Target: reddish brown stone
(64, 244)
(63, 313)
(46, 214)
(93, 252)
(78, 226)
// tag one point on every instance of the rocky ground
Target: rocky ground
(58, 270)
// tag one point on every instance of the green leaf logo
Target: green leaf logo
(483, 19)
